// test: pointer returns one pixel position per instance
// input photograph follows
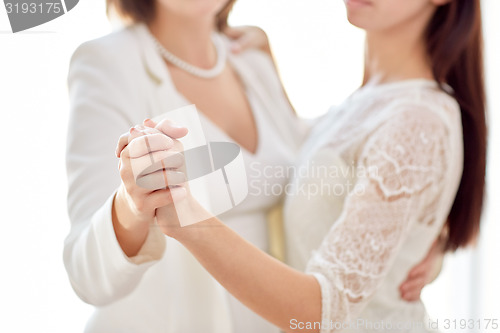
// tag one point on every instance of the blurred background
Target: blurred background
(320, 59)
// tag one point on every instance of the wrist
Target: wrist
(129, 233)
(125, 216)
(197, 222)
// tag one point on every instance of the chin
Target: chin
(361, 13)
(208, 7)
(357, 21)
(200, 9)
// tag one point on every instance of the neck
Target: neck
(399, 54)
(188, 38)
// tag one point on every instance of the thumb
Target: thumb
(149, 123)
(171, 129)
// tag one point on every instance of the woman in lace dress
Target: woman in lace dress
(137, 280)
(403, 153)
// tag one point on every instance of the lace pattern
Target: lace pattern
(406, 159)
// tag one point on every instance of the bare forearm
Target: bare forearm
(130, 236)
(267, 286)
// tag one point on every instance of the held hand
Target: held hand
(422, 274)
(149, 163)
(247, 37)
(166, 127)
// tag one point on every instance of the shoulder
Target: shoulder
(439, 100)
(410, 129)
(115, 43)
(109, 65)
(418, 121)
(413, 121)
(108, 72)
(255, 61)
(416, 111)
(408, 152)
(261, 63)
(419, 134)
(257, 57)
(115, 50)
(427, 100)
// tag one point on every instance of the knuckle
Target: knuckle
(124, 172)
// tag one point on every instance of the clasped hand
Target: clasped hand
(153, 173)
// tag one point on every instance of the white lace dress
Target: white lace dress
(375, 183)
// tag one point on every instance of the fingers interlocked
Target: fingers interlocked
(154, 159)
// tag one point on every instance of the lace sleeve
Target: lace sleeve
(400, 169)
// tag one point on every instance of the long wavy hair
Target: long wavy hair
(455, 47)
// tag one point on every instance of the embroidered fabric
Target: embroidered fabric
(407, 157)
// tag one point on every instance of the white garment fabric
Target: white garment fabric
(376, 181)
(114, 83)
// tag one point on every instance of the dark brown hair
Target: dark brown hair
(455, 48)
(144, 11)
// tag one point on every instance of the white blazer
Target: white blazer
(114, 83)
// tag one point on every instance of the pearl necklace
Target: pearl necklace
(193, 70)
